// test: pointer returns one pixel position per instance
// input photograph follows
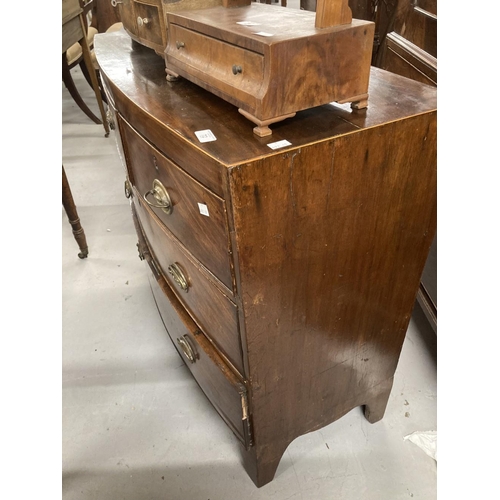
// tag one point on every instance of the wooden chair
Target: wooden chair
(74, 220)
(75, 50)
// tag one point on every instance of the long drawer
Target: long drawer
(215, 313)
(195, 215)
(226, 393)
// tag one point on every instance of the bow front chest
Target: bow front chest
(285, 268)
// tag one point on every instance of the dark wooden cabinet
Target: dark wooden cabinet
(285, 268)
(410, 50)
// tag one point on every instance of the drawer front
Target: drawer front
(127, 15)
(215, 313)
(197, 216)
(223, 65)
(214, 377)
(149, 21)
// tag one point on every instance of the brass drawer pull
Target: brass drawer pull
(179, 45)
(161, 196)
(128, 189)
(141, 21)
(179, 277)
(237, 69)
(109, 119)
(187, 348)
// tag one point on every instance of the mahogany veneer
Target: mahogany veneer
(285, 277)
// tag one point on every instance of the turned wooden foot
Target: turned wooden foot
(262, 129)
(375, 407)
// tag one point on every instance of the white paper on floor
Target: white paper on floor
(426, 440)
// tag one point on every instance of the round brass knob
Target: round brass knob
(237, 69)
(141, 21)
(179, 45)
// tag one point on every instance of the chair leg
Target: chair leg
(74, 220)
(86, 74)
(88, 61)
(70, 85)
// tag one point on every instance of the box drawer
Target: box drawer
(226, 393)
(197, 217)
(214, 312)
(231, 69)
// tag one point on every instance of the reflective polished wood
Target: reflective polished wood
(327, 236)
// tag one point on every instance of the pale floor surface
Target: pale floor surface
(135, 424)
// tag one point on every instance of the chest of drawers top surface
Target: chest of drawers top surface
(137, 77)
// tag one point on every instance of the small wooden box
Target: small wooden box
(270, 61)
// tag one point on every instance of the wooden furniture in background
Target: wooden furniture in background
(74, 220)
(146, 20)
(278, 64)
(105, 13)
(410, 50)
(285, 277)
(411, 47)
(74, 30)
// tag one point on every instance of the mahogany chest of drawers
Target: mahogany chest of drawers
(285, 270)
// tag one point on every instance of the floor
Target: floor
(136, 426)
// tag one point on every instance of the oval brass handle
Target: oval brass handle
(128, 189)
(179, 45)
(187, 349)
(142, 20)
(114, 3)
(237, 69)
(179, 277)
(160, 194)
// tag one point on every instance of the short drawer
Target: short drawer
(150, 23)
(223, 65)
(213, 311)
(224, 390)
(196, 216)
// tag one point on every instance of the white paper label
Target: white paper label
(279, 144)
(247, 23)
(205, 136)
(203, 209)
(263, 33)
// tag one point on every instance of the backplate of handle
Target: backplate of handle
(179, 277)
(187, 349)
(160, 194)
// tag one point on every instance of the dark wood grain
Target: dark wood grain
(302, 66)
(205, 235)
(328, 281)
(329, 237)
(213, 311)
(168, 114)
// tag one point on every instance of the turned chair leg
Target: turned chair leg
(74, 220)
